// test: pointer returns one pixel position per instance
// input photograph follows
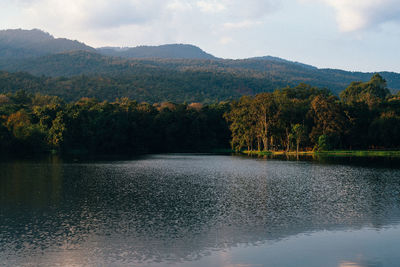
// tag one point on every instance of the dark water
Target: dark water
(199, 210)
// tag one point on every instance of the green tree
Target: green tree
(372, 92)
(329, 119)
(264, 110)
(298, 132)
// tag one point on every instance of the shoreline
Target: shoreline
(353, 153)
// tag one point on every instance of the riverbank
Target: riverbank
(340, 153)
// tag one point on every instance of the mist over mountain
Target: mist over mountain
(156, 73)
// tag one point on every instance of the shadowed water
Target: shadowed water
(199, 210)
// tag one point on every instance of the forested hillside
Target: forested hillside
(21, 44)
(175, 51)
(147, 85)
(73, 70)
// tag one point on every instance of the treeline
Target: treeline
(37, 123)
(366, 116)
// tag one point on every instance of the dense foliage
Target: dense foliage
(144, 86)
(37, 123)
(292, 118)
(306, 118)
(175, 80)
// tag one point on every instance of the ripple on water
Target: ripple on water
(181, 208)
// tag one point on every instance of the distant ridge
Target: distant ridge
(17, 44)
(173, 51)
(278, 59)
(174, 72)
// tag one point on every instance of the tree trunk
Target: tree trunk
(272, 143)
(265, 143)
(265, 134)
(287, 140)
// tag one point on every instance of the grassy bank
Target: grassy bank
(340, 153)
(362, 153)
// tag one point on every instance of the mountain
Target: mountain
(275, 73)
(172, 51)
(165, 73)
(20, 44)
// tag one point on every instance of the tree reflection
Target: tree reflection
(176, 208)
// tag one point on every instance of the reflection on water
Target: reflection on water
(199, 210)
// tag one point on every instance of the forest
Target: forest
(152, 86)
(301, 118)
(366, 116)
(38, 123)
(200, 80)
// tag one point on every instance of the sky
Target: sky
(355, 35)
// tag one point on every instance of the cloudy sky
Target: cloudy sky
(348, 34)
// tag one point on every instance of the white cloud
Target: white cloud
(241, 24)
(353, 15)
(122, 12)
(52, 12)
(179, 6)
(133, 22)
(251, 9)
(225, 40)
(116, 13)
(93, 14)
(211, 6)
(239, 9)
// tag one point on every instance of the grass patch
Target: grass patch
(339, 153)
(361, 153)
(257, 153)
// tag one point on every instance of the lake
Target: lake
(200, 210)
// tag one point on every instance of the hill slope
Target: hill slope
(173, 51)
(146, 85)
(18, 44)
(273, 73)
(189, 74)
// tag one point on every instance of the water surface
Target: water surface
(199, 210)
